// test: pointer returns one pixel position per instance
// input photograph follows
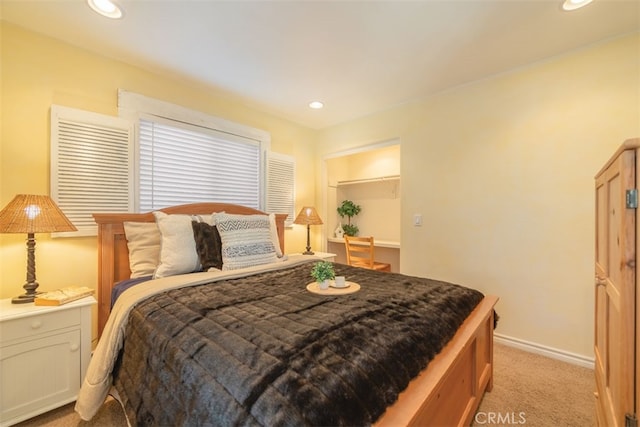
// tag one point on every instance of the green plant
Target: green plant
(323, 270)
(350, 229)
(349, 209)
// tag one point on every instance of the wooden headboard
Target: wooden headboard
(113, 253)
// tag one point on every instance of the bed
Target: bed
(445, 392)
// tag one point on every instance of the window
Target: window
(182, 164)
(158, 154)
(186, 156)
(91, 166)
(281, 171)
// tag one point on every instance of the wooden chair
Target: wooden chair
(360, 253)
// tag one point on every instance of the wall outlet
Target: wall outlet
(417, 220)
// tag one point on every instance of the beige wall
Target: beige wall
(502, 171)
(39, 71)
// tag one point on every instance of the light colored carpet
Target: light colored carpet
(528, 389)
(537, 391)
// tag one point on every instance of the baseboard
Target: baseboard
(554, 353)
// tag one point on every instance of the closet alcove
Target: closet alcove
(371, 179)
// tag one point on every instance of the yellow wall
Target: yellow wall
(502, 171)
(37, 72)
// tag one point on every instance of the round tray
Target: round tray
(351, 288)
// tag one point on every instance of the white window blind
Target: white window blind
(91, 165)
(181, 163)
(280, 186)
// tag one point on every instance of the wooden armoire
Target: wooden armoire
(617, 289)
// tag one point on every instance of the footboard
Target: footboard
(449, 391)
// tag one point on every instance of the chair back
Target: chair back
(360, 251)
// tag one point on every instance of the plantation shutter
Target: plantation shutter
(91, 165)
(280, 186)
(182, 163)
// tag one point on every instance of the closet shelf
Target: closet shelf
(367, 180)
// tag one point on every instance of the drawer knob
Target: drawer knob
(74, 347)
(36, 324)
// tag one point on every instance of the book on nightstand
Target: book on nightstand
(62, 296)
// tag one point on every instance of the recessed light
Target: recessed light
(574, 4)
(316, 105)
(106, 8)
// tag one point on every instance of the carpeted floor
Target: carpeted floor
(528, 389)
(537, 391)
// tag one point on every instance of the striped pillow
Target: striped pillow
(246, 240)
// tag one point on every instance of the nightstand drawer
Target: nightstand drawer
(38, 324)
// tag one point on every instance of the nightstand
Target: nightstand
(44, 354)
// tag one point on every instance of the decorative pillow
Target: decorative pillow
(274, 235)
(143, 241)
(208, 245)
(246, 240)
(178, 247)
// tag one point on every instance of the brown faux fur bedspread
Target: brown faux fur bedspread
(262, 350)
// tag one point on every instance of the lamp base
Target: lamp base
(23, 299)
(308, 252)
(30, 294)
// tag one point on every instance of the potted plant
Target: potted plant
(349, 209)
(323, 271)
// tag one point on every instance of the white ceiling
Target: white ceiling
(358, 57)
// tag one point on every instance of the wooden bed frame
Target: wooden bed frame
(448, 392)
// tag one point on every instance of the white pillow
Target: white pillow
(143, 241)
(178, 253)
(274, 234)
(246, 240)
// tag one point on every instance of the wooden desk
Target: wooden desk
(377, 243)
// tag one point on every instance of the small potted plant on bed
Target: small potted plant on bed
(323, 271)
(349, 209)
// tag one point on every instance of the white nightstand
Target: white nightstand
(44, 354)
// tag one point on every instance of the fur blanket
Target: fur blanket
(262, 350)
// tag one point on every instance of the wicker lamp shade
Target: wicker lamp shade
(28, 213)
(308, 216)
(31, 214)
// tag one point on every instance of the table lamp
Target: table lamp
(32, 214)
(308, 216)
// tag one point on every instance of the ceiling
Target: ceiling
(358, 57)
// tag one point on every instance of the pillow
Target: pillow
(246, 240)
(178, 247)
(274, 235)
(208, 245)
(143, 241)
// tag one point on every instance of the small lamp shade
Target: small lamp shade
(308, 216)
(28, 213)
(32, 214)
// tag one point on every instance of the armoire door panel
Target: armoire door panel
(615, 291)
